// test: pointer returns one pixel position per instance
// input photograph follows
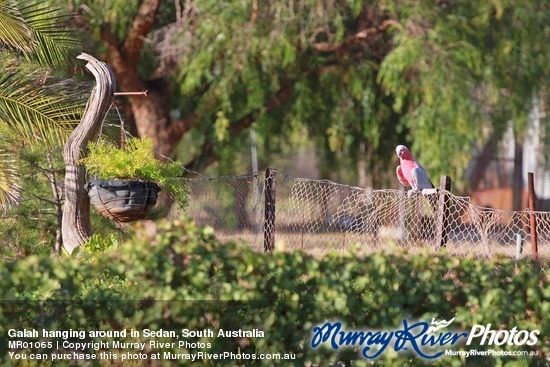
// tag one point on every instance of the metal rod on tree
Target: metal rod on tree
(122, 135)
(76, 228)
(122, 132)
(144, 93)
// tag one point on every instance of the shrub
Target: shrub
(182, 277)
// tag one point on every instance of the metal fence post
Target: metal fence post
(532, 215)
(443, 212)
(269, 219)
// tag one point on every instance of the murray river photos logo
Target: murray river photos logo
(425, 340)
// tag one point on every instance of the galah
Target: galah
(410, 172)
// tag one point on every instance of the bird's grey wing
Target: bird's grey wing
(421, 179)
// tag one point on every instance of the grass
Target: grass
(320, 244)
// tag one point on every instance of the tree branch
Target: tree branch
(180, 127)
(54, 203)
(110, 40)
(329, 47)
(143, 23)
(207, 156)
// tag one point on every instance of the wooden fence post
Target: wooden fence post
(269, 219)
(443, 212)
(532, 216)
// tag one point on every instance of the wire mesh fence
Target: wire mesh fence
(320, 215)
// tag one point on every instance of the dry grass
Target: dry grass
(321, 244)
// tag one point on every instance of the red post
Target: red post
(532, 215)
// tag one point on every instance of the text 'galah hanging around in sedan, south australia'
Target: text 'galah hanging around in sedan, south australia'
(410, 172)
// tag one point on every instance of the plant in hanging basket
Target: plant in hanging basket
(128, 181)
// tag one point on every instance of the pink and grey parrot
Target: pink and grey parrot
(410, 172)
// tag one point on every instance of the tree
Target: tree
(441, 76)
(33, 105)
(33, 225)
(37, 107)
(462, 71)
(217, 67)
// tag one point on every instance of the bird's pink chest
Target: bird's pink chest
(406, 167)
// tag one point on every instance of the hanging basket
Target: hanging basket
(122, 200)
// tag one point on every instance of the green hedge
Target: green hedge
(174, 275)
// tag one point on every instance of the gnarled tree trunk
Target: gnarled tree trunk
(76, 228)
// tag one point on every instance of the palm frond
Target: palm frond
(10, 191)
(55, 44)
(35, 29)
(36, 109)
(14, 31)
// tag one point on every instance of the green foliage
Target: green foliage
(10, 190)
(137, 161)
(31, 226)
(334, 101)
(182, 277)
(460, 71)
(34, 105)
(114, 13)
(440, 76)
(105, 161)
(98, 242)
(34, 29)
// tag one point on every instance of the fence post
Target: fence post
(269, 219)
(532, 215)
(519, 245)
(443, 212)
(404, 236)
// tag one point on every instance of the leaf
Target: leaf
(220, 127)
(36, 112)
(10, 191)
(14, 31)
(35, 30)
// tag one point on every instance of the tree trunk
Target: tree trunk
(362, 165)
(151, 114)
(483, 160)
(517, 185)
(76, 228)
